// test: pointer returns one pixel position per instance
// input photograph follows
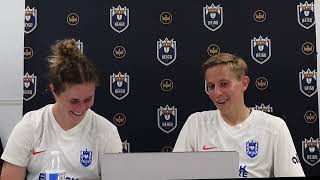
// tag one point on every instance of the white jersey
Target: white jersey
(263, 141)
(38, 132)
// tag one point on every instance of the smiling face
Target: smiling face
(225, 89)
(73, 103)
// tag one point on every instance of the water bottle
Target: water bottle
(55, 170)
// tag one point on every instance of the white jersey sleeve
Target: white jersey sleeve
(112, 142)
(187, 138)
(286, 160)
(20, 143)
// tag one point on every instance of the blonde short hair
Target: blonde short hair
(236, 64)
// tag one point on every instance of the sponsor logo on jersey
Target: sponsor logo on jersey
(213, 49)
(119, 119)
(28, 53)
(42, 176)
(119, 85)
(259, 16)
(166, 51)
(29, 86)
(119, 52)
(305, 14)
(212, 17)
(73, 19)
(252, 148)
(261, 83)
(167, 149)
(80, 45)
(166, 85)
(308, 82)
(86, 157)
(310, 117)
(264, 108)
(311, 151)
(119, 18)
(30, 20)
(243, 171)
(165, 18)
(37, 152)
(125, 147)
(206, 148)
(261, 49)
(167, 118)
(307, 48)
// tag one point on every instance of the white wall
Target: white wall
(11, 68)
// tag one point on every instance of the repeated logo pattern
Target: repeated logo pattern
(121, 48)
(31, 19)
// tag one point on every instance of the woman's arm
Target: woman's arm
(11, 171)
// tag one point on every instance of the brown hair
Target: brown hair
(69, 66)
(236, 64)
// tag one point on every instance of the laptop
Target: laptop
(170, 165)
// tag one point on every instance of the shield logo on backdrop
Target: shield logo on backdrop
(85, 157)
(30, 20)
(261, 49)
(80, 45)
(311, 151)
(252, 148)
(213, 17)
(119, 18)
(29, 86)
(125, 147)
(167, 118)
(119, 85)
(166, 51)
(308, 82)
(305, 15)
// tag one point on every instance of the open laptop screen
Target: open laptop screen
(170, 165)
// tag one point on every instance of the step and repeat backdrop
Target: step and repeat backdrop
(149, 56)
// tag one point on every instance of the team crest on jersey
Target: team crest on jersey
(166, 51)
(29, 86)
(125, 147)
(213, 17)
(311, 151)
(264, 108)
(85, 157)
(252, 148)
(167, 118)
(305, 14)
(119, 85)
(30, 20)
(308, 82)
(261, 49)
(119, 18)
